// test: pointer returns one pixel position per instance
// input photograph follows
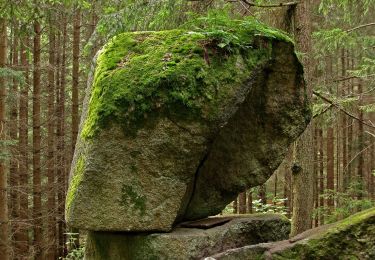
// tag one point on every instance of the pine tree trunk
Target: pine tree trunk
(321, 175)
(242, 203)
(37, 199)
(61, 159)
(4, 221)
(361, 146)
(250, 202)
(303, 179)
(23, 148)
(330, 165)
(13, 134)
(50, 254)
(262, 194)
(235, 206)
(75, 75)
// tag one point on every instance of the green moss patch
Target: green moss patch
(131, 198)
(76, 180)
(351, 238)
(180, 71)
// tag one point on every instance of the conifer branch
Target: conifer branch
(250, 3)
(360, 27)
(341, 109)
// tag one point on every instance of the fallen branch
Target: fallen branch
(341, 109)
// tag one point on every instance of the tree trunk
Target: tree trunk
(303, 178)
(321, 175)
(23, 148)
(262, 194)
(50, 254)
(75, 76)
(330, 166)
(250, 202)
(242, 203)
(13, 134)
(4, 235)
(37, 199)
(361, 146)
(235, 206)
(61, 159)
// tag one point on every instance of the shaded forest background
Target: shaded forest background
(46, 49)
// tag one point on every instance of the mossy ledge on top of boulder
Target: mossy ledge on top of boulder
(141, 72)
(176, 123)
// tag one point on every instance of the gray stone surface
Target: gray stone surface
(187, 243)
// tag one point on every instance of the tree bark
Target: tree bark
(51, 230)
(303, 179)
(4, 221)
(23, 148)
(242, 203)
(37, 199)
(75, 76)
(13, 134)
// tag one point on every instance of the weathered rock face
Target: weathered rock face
(352, 238)
(175, 125)
(187, 243)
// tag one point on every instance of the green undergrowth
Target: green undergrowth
(181, 72)
(74, 183)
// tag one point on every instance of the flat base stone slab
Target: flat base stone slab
(188, 243)
(206, 222)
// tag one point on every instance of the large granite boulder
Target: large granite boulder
(176, 123)
(187, 243)
(351, 238)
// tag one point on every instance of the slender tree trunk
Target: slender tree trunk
(4, 221)
(13, 134)
(344, 124)
(303, 179)
(316, 173)
(250, 202)
(23, 148)
(63, 175)
(262, 194)
(75, 75)
(330, 165)
(235, 206)
(275, 188)
(242, 203)
(37, 199)
(321, 175)
(50, 254)
(361, 146)
(75, 89)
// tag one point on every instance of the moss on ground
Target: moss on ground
(351, 238)
(179, 71)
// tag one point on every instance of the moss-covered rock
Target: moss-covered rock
(187, 243)
(351, 238)
(176, 123)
